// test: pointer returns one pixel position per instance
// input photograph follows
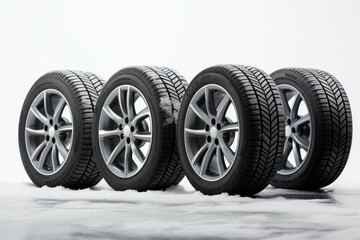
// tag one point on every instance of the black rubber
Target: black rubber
(330, 113)
(180, 85)
(81, 91)
(164, 89)
(259, 106)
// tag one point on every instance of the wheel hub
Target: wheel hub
(51, 132)
(48, 118)
(127, 131)
(213, 132)
(297, 130)
(211, 125)
(287, 131)
(125, 112)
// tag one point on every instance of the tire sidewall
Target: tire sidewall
(141, 179)
(294, 179)
(224, 184)
(59, 177)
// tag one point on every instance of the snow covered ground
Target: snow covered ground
(27, 212)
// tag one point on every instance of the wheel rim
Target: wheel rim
(49, 132)
(211, 132)
(125, 131)
(298, 130)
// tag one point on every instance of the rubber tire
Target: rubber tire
(81, 91)
(258, 103)
(163, 167)
(330, 112)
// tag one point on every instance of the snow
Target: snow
(28, 212)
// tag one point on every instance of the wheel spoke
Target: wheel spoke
(37, 151)
(59, 108)
(222, 107)
(232, 127)
(47, 105)
(141, 116)
(142, 136)
(200, 113)
(220, 161)
(295, 107)
(130, 103)
(109, 133)
(65, 128)
(54, 158)
(297, 156)
(40, 132)
(196, 132)
(39, 115)
(302, 120)
(199, 154)
(303, 143)
(286, 152)
(228, 153)
(61, 148)
(127, 160)
(122, 103)
(115, 152)
(285, 103)
(209, 102)
(44, 155)
(207, 158)
(112, 114)
(137, 155)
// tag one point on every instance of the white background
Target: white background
(104, 36)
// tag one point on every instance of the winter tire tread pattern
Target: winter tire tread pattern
(86, 87)
(264, 123)
(168, 87)
(336, 124)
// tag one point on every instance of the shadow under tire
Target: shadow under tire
(231, 130)
(135, 128)
(55, 130)
(319, 128)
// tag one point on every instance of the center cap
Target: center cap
(287, 131)
(126, 131)
(213, 132)
(51, 132)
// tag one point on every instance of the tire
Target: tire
(59, 139)
(246, 106)
(160, 90)
(321, 130)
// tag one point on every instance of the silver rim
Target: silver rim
(49, 132)
(211, 132)
(125, 131)
(298, 130)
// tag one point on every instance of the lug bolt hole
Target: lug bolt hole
(293, 130)
(208, 138)
(46, 128)
(120, 127)
(51, 122)
(47, 137)
(216, 141)
(290, 140)
(122, 136)
(53, 140)
(56, 127)
(128, 140)
(218, 126)
(213, 121)
(132, 128)
(126, 120)
(289, 121)
(207, 127)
